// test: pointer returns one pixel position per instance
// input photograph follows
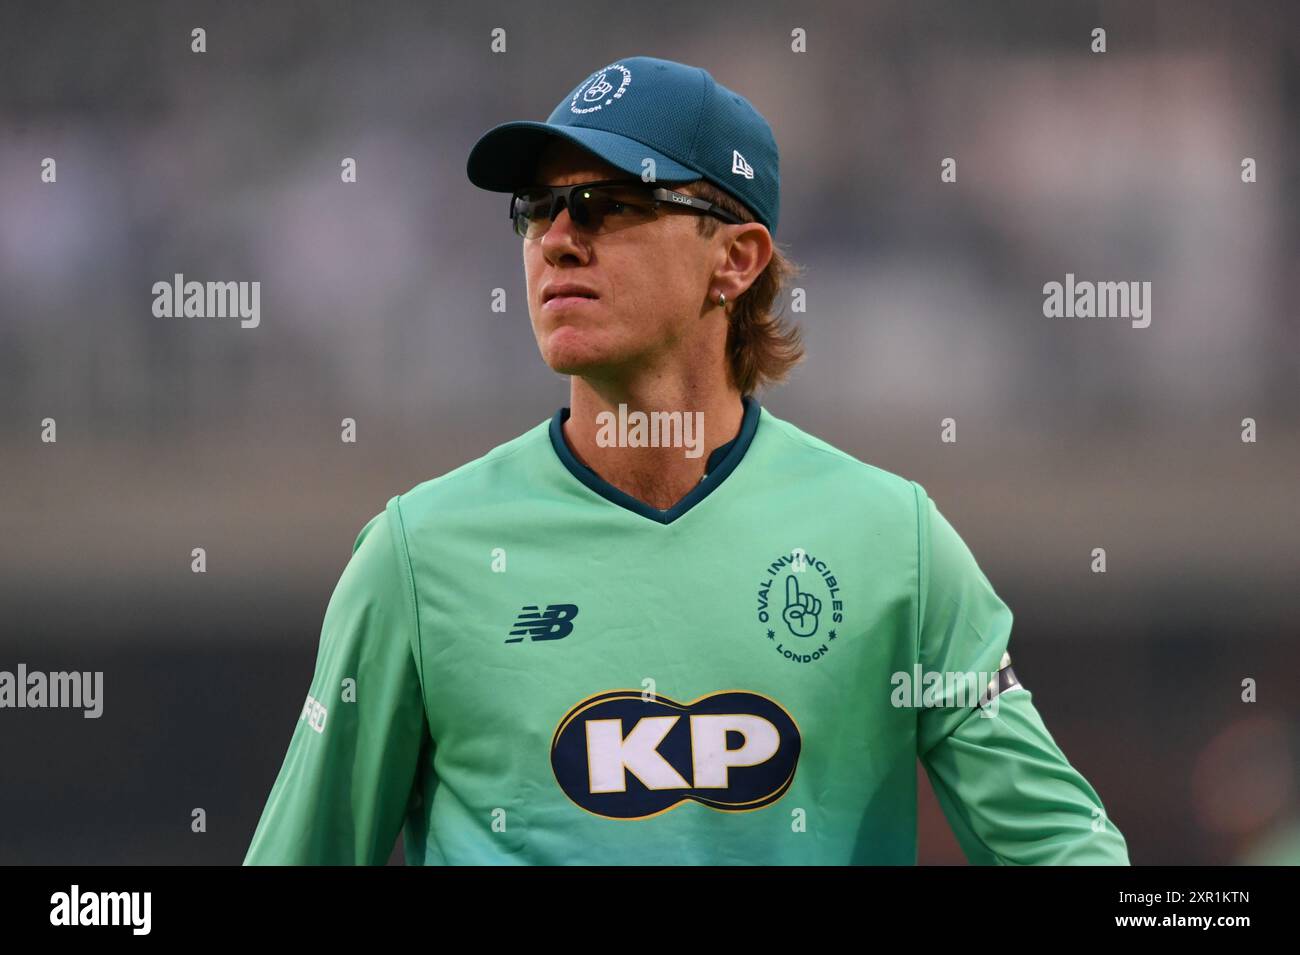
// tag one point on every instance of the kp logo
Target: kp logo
(622, 757)
(551, 624)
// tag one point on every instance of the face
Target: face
(650, 281)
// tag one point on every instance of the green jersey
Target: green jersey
(521, 664)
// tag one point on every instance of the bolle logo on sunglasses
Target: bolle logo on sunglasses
(623, 756)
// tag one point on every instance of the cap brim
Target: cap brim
(505, 157)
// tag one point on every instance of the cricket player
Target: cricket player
(664, 626)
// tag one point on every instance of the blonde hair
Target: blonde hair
(762, 346)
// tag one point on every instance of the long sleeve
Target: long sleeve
(1008, 792)
(343, 790)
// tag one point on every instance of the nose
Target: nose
(562, 238)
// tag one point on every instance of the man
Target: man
(665, 626)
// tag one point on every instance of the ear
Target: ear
(747, 251)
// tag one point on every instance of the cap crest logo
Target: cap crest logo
(597, 91)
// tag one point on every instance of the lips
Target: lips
(566, 290)
(566, 302)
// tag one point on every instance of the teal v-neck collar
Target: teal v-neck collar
(721, 463)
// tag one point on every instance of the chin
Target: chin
(582, 365)
(572, 351)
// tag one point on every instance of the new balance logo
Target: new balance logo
(550, 624)
(740, 166)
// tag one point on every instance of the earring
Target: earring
(722, 299)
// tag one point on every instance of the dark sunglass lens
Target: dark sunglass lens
(611, 206)
(593, 208)
(586, 208)
(531, 210)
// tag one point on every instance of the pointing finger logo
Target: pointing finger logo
(801, 609)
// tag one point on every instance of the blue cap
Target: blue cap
(645, 108)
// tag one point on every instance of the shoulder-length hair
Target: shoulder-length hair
(762, 346)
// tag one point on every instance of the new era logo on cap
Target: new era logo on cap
(739, 166)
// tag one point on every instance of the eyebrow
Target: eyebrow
(589, 177)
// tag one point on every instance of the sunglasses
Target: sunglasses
(599, 207)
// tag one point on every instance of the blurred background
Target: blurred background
(924, 301)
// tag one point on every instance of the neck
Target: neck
(696, 418)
